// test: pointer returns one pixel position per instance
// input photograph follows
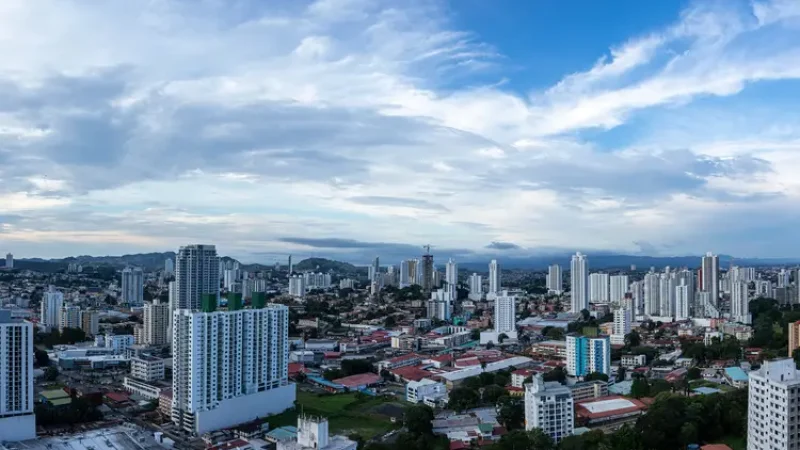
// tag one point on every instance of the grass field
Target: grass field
(346, 413)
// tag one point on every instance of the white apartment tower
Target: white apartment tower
(90, 322)
(9, 261)
(494, 277)
(666, 294)
(619, 286)
(169, 266)
(297, 286)
(637, 292)
(622, 325)
(740, 306)
(196, 273)
(772, 412)
(682, 304)
(17, 421)
(651, 289)
(70, 317)
(132, 286)
(52, 304)
(505, 309)
(156, 323)
(451, 279)
(554, 280)
(549, 406)
(598, 288)
(578, 281)
(230, 367)
(475, 287)
(709, 276)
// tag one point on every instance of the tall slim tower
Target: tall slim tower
(578, 278)
(427, 269)
(291, 266)
(9, 261)
(132, 286)
(17, 422)
(554, 283)
(51, 308)
(709, 276)
(196, 274)
(494, 277)
(451, 278)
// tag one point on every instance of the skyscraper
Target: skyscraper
(598, 288)
(740, 306)
(619, 287)
(230, 367)
(475, 287)
(666, 294)
(90, 322)
(652, 286)
(375, 270)
(637, 292)
(549, 406)
(70, 317)
(622, 325)
(52, 305)
(297, 286)
(290, 266)
(554, 280)
(709, 276)
(196, 274)
(771, 408)
(682, 305)
(427, 270)
(578, 280)
(132, 286)
(494, 277)
(451, 279)
(17, 422)
(156, 323)
(505, 308)
(9, 261)
(169, 266)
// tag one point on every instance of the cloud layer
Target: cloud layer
(321, 127)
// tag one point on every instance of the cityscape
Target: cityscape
(199, 350)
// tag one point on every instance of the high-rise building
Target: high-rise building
(17, 421)
(132, 286)
(740, 302)
(709, 276)
(70, 317)
(784, 278)
(156, 323)
(774, 392)
(427, 270)
(598, 288)
(169, 266)
(52, 304)
(622, 325)
(549, 406)
(230, 367)
(554, 279)
(652, 286)
(290, 266)
(587, 355)
(9, 261)
(494, 277)
(794, 337)
(619, 286)
(666, 295)
(637, 295)
(196, 274)
(90, 322)
(505, 308)
(451, 279)
(374, 269)
(682, 304)
(578, 283)
(475, 287)
(297, 286)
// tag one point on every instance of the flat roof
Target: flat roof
(736, 373)
(118, 438)
(608, 407)
(491, 367)
(602, 406)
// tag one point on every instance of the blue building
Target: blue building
(587, 355)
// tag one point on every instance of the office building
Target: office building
(554, 280)
(9, 261)
(578, 283)
(132, 286)
(70, 317)
(156, 321)
(772, 413)
(169, 266)
(651, 288)
(297, 286)
(494, 277)
(52, 305)
(619, 286)
(587, 355)
(709, 276)
(740, 302)
(598, 288)
(475, 287)
(90, 322)
(196, 274)
(549, 407)
(229, 367)
(505, 308)
(622, 325)
(451, 279)
(17, 422)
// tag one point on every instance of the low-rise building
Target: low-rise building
(147, 390)
(633, 361)
(519, 376)
(419, 391)
(312, 434)
(411, 359)
(147, 368)
(549, 406)
(589, 390)
(608, 413)
(736, 377)
(556, 349)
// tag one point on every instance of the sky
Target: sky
(353, 128)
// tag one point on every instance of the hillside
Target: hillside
(325, 265)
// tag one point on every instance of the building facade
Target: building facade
(90, 322)
(494, 277)
(554, 279)
(52, 305)
(17, 421)
(587, 355)
(147, 368)
(772, 412)
(549, 406)
(578, 283)
(70, 317)
(132, 286)
(196, 274)
(598, 288)
(156, 323)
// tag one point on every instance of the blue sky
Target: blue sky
(353, 128)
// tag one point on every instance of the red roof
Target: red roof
(410, 373)
(442, 358)
(582, 411)
(715, 447)
(403, 358)
(331, 355)
(237, 443)
(295, 368)
(118, 397)
(523, 372)
(362, 379)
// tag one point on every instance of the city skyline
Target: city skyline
(364, 127)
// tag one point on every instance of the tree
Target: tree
(796, 356)
(462, 399)
(511, 414)
(585, 315)
(51, 373)
(475, 334)
(633, 339)
(640, 387)
(502, 337)
(389, 322)
(620, 374)
(419, 419)
(333, 374)
(540, 440)
(556, 334)
(694, 373)
(355, 366)
(596, 376)
(42, 360)
(557, 374)
(492, 393)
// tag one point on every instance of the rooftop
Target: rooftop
(608, 406)
(362, 379)
(736, 374)
(117, 438)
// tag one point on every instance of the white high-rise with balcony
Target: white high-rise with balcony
(17, 422)
(666, 296)
(52, 305)
(682, 305)
(156, 323)
(451, 279)
(578, 280)
(475, 287)
(70, 317)
(554, 280)
(651, 289)
(230, 367)
(297, 286)
(549, 406)
(132, 286)
(619, 286)
(494, 277)
(740, 302)
(622, 325)
(505, 321)
(196, 273)
(772, 411)
(598, 288)
(709, 277)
